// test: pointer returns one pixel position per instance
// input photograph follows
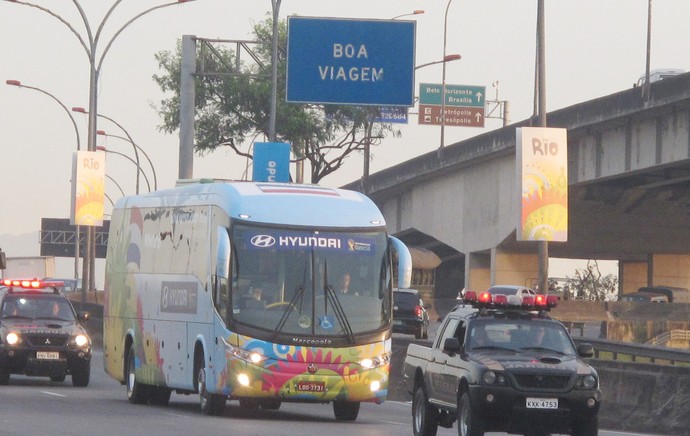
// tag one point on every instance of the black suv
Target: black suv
(519, 371)
(41, 334)
(409, 313)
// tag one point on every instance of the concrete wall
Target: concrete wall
(644, 398)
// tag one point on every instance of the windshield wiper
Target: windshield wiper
(299, 294)
(337, 307)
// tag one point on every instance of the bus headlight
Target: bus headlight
(375, 362)
(252, 357)
(243, 379)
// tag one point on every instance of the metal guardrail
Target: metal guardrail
(627, 351)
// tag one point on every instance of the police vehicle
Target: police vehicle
(500, 367)
(41, 334)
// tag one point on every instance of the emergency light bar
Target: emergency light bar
(35, 284)
(487, 300)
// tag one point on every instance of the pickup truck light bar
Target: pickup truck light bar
(486, 300)
(32, 284)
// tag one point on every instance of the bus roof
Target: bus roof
(264, 202)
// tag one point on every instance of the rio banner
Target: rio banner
(542, 170)
(88, 188)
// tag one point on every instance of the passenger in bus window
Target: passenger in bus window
(344, 285)
(254, 299)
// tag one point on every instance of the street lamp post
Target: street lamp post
(138, 147)
(443, 83)
(139, 169)
(19, 84)
(128, 139)
(446, 58)
(95, 62)
(415, 12)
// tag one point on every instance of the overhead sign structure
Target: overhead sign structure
(345, 61)
(464, 105)
(542, 171)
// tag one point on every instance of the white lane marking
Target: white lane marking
(53, 393)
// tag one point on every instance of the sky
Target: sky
(593, 48)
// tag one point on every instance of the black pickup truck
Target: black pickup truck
(495, 367)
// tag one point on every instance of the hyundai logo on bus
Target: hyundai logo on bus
(271, 162)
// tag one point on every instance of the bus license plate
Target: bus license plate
(47, 355)
(542, 403)
(311, 386)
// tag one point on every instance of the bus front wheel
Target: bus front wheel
(211, 404)
(345, 410)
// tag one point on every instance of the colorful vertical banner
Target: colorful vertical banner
(271, 162)
(542, 170)
(88, 188)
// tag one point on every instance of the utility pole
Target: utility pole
(542, 246)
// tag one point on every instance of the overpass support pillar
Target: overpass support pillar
(669, 270)
(511, 268)
(499, 267)
(658, 270)
(477, 271)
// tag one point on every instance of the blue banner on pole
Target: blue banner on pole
(271, 162)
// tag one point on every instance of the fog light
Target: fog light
(375, 386)
(243, 379)
(490, 398)
(591, 402)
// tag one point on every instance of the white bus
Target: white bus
(184, 312)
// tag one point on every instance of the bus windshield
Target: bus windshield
(310, 284)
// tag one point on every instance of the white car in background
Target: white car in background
(514, 293)
(659, 74)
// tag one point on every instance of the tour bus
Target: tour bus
(183, 311)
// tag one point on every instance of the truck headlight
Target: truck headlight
(81, 340)
(12, 338)
(494, 378)
(586, 382)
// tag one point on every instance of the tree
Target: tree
(590, 284)
(234, 110)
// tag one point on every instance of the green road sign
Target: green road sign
(456, 95)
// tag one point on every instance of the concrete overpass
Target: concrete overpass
(629, 195)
